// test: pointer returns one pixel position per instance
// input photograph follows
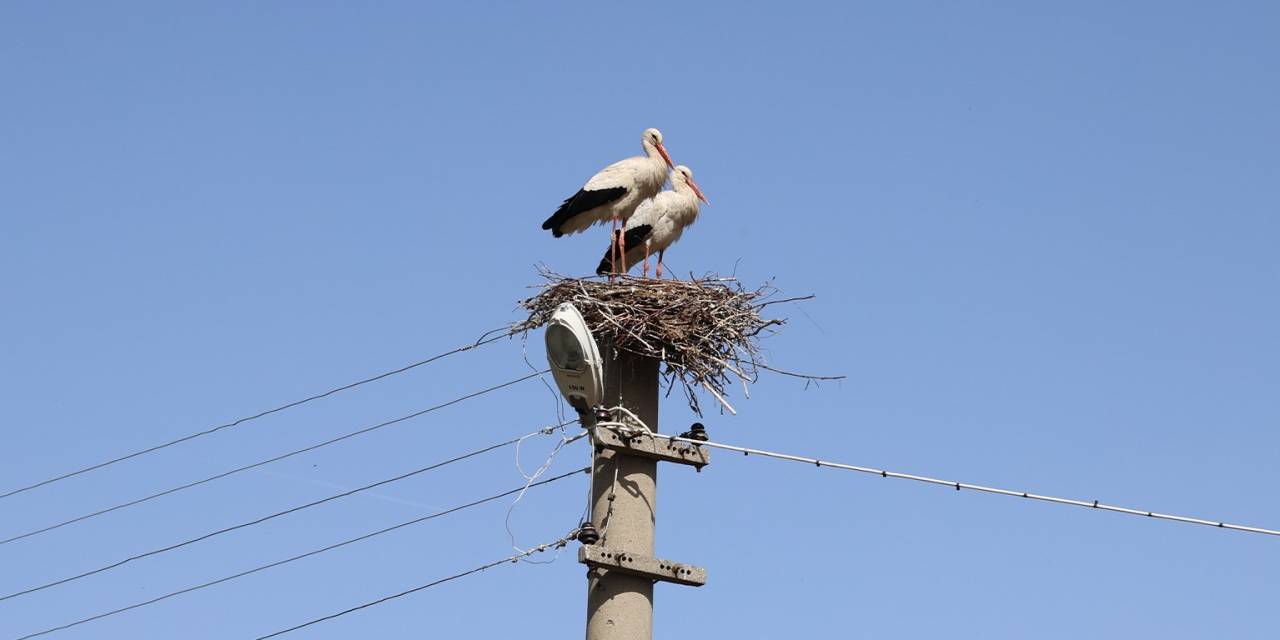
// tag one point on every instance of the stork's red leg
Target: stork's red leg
(660, 263)
(622, 250)
(646, 259)
(613, 248)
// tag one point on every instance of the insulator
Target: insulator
(696, 432)
(587, 534)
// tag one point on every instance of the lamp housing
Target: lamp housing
(574, 358)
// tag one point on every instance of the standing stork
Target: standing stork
(658, 222)
(614, 192)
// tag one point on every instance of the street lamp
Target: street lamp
(574, 358)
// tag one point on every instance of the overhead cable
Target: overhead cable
(278, 514)
(267, 461)
(295, 558)
(1092, 504)
(509, 559)
(486, 339)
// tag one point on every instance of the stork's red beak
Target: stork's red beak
(663, 152)
(693, 185)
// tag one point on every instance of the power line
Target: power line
(297, 557)
(515, 558)
(260, 463)
(1094, 504)
(486, 339)
(278, 514)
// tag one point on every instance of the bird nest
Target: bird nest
(706, 330)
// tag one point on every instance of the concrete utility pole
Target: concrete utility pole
(621, 567)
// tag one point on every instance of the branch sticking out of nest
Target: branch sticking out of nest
(704, 329)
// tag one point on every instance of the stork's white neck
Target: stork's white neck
(689, 211)
(651, 151)
(654, 173)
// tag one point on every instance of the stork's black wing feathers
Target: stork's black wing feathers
(581, 202)
(635, 236)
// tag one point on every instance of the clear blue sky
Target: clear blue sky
(1043, 241)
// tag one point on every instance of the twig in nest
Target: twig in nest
(760, 365)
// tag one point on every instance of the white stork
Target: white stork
(658, 222)
(616, 191)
